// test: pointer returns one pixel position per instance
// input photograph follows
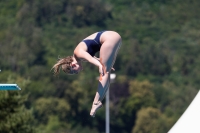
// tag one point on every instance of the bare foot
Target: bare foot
(95, 107)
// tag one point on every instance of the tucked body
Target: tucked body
(107, 43)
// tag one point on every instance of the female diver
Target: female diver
(107, 43)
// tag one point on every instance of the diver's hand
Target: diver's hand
(97, 58)
(113, 69)
(101, 70)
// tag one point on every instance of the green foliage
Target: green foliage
(15, 117)
(140, 95)
(151, 120)
(147, 121)
(53, 113)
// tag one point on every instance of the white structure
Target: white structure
(9, 87)
(189, 122)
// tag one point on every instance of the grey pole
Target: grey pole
(107, 113)
(112, 78)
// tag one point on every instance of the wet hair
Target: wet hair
(63, 63)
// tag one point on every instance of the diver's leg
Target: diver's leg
(108, 54)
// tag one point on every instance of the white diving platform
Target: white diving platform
(9, 87)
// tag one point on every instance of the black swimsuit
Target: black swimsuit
(93, 45)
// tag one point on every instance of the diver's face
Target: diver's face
(75, 68)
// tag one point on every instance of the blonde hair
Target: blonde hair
(63, 63)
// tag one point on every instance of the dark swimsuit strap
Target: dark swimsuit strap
(97, 38)
(93, 45)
